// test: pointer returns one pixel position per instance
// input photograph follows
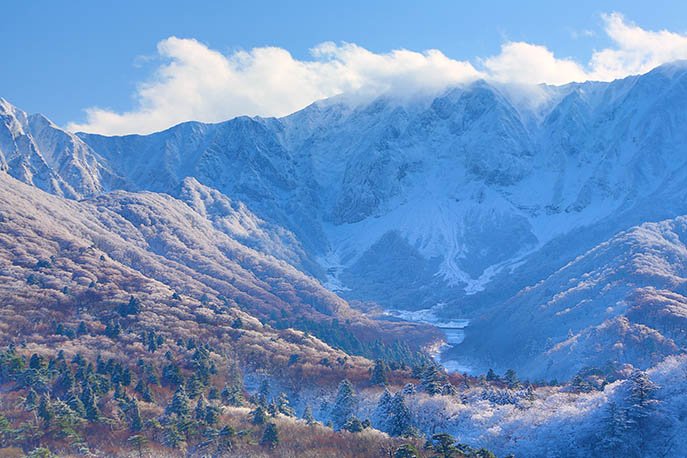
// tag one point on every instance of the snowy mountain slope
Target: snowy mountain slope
(35, 151)
(241, 158)
(236, 220)
(463, 198)
(94, 253)
(472, 180)
(621, 302)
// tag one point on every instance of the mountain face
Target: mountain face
(470, 182)
(89, 256)
(622, 301)
(35, 151)
(477, 202)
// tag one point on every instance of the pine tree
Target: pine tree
(383, 411)
(136, 422)
(511, 379)
(491, 375)
(284, 407)
(431, 380)
(406, 451)
(31, 401)
(378, 373)
(144, 390)
(444, 444)
(264, 393)
(45, 412)
(308, 416)
(199, 411)
(133, 307)
(270, 437)
(179, 404)
(344, 406)
(89, 402)
(74, 403)
(138, 442)
(353, 425)
(642, 404)
(171, 436)
(258, 416)
(399, 422)
(211, 415)
(612, 440)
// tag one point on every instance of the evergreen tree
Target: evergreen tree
(641, 411)
(444, 444)
(45, 412)
(612, 440)
(232, 394)
(308, 416)
(74, 403)
(409, 389)
(272, 409)
(344, 406)
(511, 379)
(284, 407)
(264, 393)
(406, 451)
(36, 362)
(270, 437)
(353, 425)
(31, 401)
(171, 436)
(383, 411)
(432, 380)
(399, 422)
(136, 422)
(491, 376)
(258, 416)
(133, 307)
(378, 374)
(179, 404)
(143, 389)
(199, 411)
(139, 443)
(211, 415)
(89, 402)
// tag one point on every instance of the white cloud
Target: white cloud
(636, 51)
(202, 84)
(198, 83)
(521, 62)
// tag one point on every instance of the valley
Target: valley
(315, 262)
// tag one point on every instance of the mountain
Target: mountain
(37, 152)
(79, 260)
(621, 302)
(458, 201)
(256, 265)
(466, 184)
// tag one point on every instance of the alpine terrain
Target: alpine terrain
(505, 264)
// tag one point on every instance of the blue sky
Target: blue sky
(61, 58)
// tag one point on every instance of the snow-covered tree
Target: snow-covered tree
(344, 405)
(383, 410)
(378, 373)
(399, 422)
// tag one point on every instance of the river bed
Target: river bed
(454, 331)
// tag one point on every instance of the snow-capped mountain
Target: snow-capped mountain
(469, 182)
(468, 198)
(621, 302)
(37, 152)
